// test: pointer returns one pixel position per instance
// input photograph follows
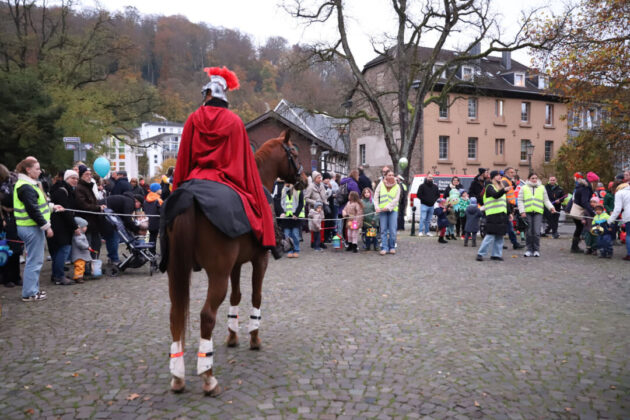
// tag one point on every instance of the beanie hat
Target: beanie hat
(69, 173)
(473, 201)
(318, 204)
(155, 187)
(592, 177)
(314, 175)
(482, 171)
(139, 197)
(493, 174)
(326, 176)
(80, 221)
(82, 170)
(578, 175)
(619, 177)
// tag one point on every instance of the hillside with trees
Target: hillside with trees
(68, 71)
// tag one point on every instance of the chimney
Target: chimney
(506, 60)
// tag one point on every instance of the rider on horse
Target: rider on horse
(215, 146)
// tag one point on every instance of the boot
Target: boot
(442, 240)
(355, 248)
(474, 241)
(466, 241)
(453, 237)
(575, 246)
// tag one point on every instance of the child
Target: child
(315, 217)
(152, 205)
(451, 216)
(463, 204)
(354, 211)
(589, 239)
(370, 221)
(604, 240)
(442, 221)
(473, 216)
(80, 250)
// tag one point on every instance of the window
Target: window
(519, 79)
(543, 82)
(498, 108)
(443, 148)
(472, 108)
(548, 114)
(525, 112)
(499, 147)
(472, 148)
(548, 150)
(467, 73)
(436, 67)
(524, 144)
(362, 154)
(380, 80)
(444, 109)
(155, 159)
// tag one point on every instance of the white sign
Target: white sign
(72, 139)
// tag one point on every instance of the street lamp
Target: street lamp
(530, 152)
(313, 157)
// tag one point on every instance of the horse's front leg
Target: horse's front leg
(217, 289)
(258, 273)
(235, 299)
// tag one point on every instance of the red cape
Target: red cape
(215, 146)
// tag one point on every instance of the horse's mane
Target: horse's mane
(265, 150)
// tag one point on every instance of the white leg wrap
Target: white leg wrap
(254, 320)
(205, 356)
(233, 318)
(176, 363)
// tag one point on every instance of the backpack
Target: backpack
(342, 194)
(6, 190)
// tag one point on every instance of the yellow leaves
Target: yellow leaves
(132, 397)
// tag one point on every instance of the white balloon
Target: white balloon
(403, 162)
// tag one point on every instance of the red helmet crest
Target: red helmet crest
(228, 75)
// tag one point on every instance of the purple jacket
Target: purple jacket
(352, 186)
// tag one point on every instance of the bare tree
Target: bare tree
(419, 81)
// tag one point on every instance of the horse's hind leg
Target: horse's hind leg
(258, 273)
(235, 299)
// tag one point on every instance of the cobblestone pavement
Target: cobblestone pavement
(428, 333)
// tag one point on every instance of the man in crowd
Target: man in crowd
(126, 203)
(428, 194)
(478, 185)
(556, 195)
(316, 192)
(122, 184)
(364, 181)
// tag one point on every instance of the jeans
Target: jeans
(59, 258)
(111, 243)
(534, 221)
(317, 240)
(294, 234)
(627, 241)
(389, 226)
(604, 244)
(496, 241)
(34, 239)
(426, 213)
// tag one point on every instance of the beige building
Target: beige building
(502, 109)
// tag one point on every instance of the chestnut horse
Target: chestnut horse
(195, 242)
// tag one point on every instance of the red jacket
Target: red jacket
(215, 147)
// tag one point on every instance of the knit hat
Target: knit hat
(592, 177)
(473, 201)
(82, 170)
(595, 199)
(578, 175)
(155, 187)
(493, 174)
(318, 204)
(139, 197)
(69, 173)
(326, 176)
(482, 171)
(619, 177)
(314, 175)
(80, 221)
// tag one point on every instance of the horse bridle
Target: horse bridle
(298, 171)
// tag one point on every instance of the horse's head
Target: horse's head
(278, 158)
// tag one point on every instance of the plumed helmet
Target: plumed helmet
(221, 80)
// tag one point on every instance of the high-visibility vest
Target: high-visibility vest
(19, 210)
(511, 194)
(386, 197)
(291, 205)
(533, 202)
(494, 205)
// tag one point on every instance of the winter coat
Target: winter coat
(582, 196)
(280, 208)
(80, 248)
(428, 194)
(622, 203)
(447, 191)
(86, 200)
(63, 224)
(496, 224)
(354, 212)
(532, 188)
(368, 208)
(352, 186)
(555, 193)
(473, 216)
(462, 206)
(138, 190)
(451, 216)
(364, 181)
(609, 202)
(440, 213)
(315, 220)
(315, 193)
(123, 204)
(29, 197)
(152, 205)
(476, 189)
(122, 186)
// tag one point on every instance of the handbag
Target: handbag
(577, 211)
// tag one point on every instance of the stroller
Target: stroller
(140, 251)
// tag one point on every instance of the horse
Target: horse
(194, 242)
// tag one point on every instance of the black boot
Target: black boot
(453, 237)
(466, 241)
(575, 245)
(442, 240)
(355, 248)
(474, 242)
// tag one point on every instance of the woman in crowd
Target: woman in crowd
(495, 207)
(291, 212)
(581, 207)
(532, 200)
(86, 200)
(10, 271)
(60, 245)
(386, 198)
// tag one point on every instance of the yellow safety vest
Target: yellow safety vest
(291, 207)
(19, 210)
(494, 205)
(533, 202)
(387, 197)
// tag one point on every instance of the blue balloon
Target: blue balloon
(101, 166)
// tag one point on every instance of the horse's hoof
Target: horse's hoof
(177, 384)
(210, 385)
(255, 344)
(232, 340)
(214, 392)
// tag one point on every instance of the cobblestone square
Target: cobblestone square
(427, 333)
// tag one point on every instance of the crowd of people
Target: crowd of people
(66, 214)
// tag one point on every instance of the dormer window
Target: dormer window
(436, 67)
(519, 79)
(468, 73)
(543, 82)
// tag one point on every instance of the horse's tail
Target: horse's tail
(181, 239)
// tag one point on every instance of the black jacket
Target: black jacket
(496, 224)
(122, 186)
(364, 182)
(582, 196)
(122, 204)
(428, 194)
(63, 224)
(28, 196)
(138, 190)
(555, 192)
(476, 189)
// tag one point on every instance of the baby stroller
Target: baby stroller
(140, 251)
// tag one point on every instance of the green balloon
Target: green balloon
(403, 162)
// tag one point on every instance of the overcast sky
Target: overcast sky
(265, 18)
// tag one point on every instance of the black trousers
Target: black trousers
(552, 221)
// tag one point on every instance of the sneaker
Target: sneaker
(517, 246)
(536, 254)
(392, 251)
(496, 258)
(62, 281)
(626, 258)
(527, 254)
(36, 297)
(429, 234)
(479, 258)
(420, 234)
(382, 252)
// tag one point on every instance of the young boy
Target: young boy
(152, 205)
(315, 216)
(589, 239)
(442, 221)
(473, 216)
(80, 249)
(604, 240)
(463, 204)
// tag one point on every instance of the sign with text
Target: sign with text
(72, 139)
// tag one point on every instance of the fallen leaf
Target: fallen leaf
(564, 361)
(95, 375)
(231, 361)
(514, 256)
(567, 408)
(75, 374)
(229, 402)
(384, 295)
(29, 411)
(110, 402)
(523, 371)
(26, 387)
(239, 382)
(49, 386)
(68, 362)
(133, 396)
(613, 387)
(476, 404)
(146, 398)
